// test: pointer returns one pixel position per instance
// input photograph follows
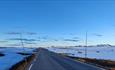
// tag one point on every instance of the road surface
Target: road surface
(47, 60)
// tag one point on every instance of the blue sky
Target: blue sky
(60, 20)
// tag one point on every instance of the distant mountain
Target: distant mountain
(99, 45)
(104, 45)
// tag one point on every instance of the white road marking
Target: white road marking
(32, 64)
(30, 67)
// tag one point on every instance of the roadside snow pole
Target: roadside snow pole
(86, 45)
(21, 40)
(24, 51)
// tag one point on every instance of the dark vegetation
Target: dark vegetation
(1, 54)
(24, 53)
(106, 64)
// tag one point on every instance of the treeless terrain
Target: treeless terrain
(24, 65)
(106, 64)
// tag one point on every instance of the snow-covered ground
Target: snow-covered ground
(11, 57)
(106, 53)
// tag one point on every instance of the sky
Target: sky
(58, 22)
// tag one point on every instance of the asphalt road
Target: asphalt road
(47, 60)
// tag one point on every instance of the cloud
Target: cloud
(31, 33)
(73, 40)
(44, 37)
(3, 41)
(99, 35)
(55, 40)
(13, 33)
(24, 39)
(47, 38)
(29, 43)
(13, 44)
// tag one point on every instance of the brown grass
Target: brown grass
(112, 68)
(107, 64)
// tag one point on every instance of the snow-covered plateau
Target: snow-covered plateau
(11, 56)
(96, 52)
